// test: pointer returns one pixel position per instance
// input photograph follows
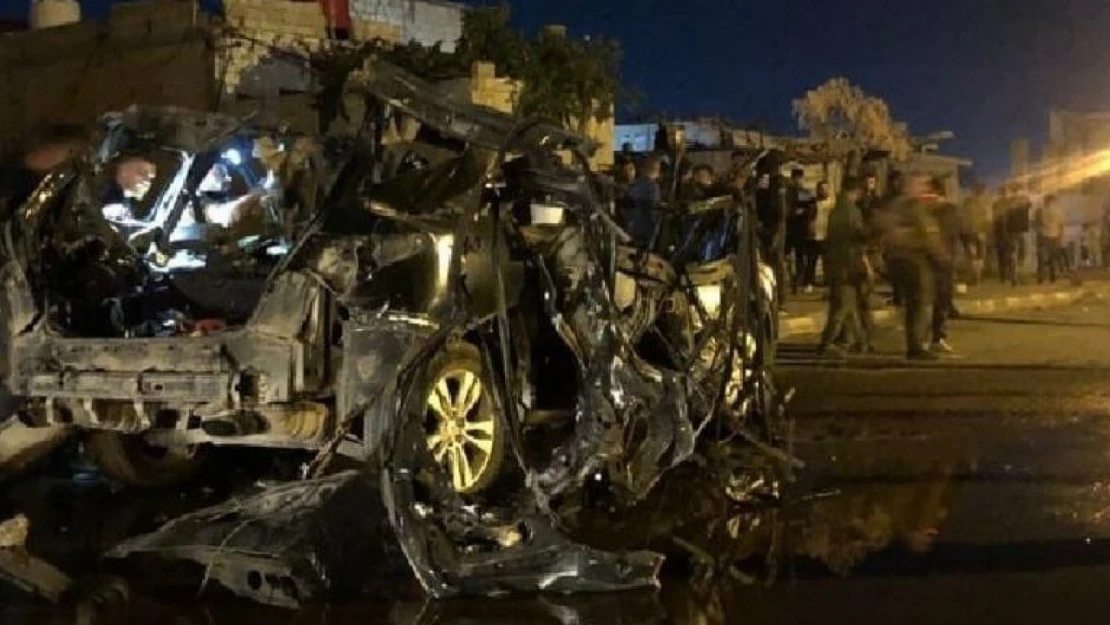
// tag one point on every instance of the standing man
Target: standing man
(799, 228)
(976, 226)
(644, 198)
(943, 266)
(912, 240)
(846, 272)
(869, 197)
(1050, 240)
(871, 202)
(1018, 224)
(825, 202)
(1003, 246)
(896, 184)
(771, 209)
(1092, 241)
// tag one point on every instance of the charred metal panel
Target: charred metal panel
(285, 306)
(479, 271)
(191, 368)
(200, 355)
(287, 545)
(19, 309)
(127, 386)
(375, 349)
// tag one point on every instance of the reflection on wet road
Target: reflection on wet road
(974, 491)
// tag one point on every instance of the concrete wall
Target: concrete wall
(145, 53)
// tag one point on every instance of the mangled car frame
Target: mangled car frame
(450, 296)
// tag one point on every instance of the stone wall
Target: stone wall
(152, 53)
(427, 22)
(275, 36)
(486, 88)
(604, 133)
(264, 54)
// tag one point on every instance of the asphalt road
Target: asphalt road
(971, 490)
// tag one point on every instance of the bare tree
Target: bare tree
(848, 120)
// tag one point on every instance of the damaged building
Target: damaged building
(173, 53)
(249, 58)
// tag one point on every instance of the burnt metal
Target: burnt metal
(383, 270)
(285, 545)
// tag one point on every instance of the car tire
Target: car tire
(449, 376)
(127, 459)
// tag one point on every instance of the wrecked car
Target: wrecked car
(448, 296)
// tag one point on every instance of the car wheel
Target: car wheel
(461, 427)
(129, 460)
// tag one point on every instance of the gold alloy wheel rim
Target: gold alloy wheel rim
(462, 440)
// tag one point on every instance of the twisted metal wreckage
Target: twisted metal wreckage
(442, 296)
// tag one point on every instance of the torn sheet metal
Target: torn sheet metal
(286, 545)
(23, 570)
(21, 446)
(305, 541)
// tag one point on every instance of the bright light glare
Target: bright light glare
(445, 245)
(1066, 173)
(624, 290)
(548, 214)
(233, 157)
(710, 297)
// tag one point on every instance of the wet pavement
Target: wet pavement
(972, 490)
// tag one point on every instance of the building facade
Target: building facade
(171, 53)
(148, 53)
(252, 59)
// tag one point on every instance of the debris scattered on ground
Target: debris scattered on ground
(21, 445)
(23, 570)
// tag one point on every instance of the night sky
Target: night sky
(988, 70)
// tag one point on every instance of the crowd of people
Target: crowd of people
(907, 233)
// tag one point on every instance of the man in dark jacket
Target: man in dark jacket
(701, 186)
(643, 200)
(869, 199)
(1013, 223)
(895, 188)
(912, 240)
(771, 209)
(947, 216)
(800, 219)
(846, 271)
